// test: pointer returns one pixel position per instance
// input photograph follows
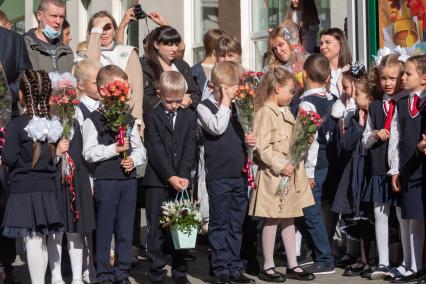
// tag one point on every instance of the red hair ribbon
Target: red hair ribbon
(69, 179)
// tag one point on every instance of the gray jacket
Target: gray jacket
(42, 59)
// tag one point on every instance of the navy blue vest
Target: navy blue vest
(84, 110)
(111, 168)
(377, 158)
(224, 154)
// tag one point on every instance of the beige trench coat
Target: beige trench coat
(273, 127)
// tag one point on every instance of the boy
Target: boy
(115, 185)
(170, 133)
(226, 185)
(316, 74)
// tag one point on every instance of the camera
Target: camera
(139, 13)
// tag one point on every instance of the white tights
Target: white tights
(381, 216)
(75, 248)
(37, 257)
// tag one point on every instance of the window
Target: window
(206, 15)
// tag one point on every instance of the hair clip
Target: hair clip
(357, 69)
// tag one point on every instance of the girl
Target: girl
(348, 199)
(273, 124)
(375, 139)
(406, 164)
(30, 152)
(334, 46)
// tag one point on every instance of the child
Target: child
(226, 185)
(170, 141)
(115, 185)
(406, 164)
(348, 200)
(32, 211)
(375, 139)
(272, 125)
(316, 75)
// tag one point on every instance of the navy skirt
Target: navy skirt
(379, 190)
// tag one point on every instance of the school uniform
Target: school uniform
(405, 159)
(226, 184)
(316, 166)
(115, 194)
(31, 206)
(170, 142)
(378, 187)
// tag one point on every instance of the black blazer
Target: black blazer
(150, 98)
(171, 152)
(14, 58)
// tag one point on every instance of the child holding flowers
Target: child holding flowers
(273, 125)
(108, 134)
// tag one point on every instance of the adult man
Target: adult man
(45, 50)
(14, 59)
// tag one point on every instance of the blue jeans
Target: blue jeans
(228, 204)
(312, 225)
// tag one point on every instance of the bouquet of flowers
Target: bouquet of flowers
(244, 102)
(306, 126)
(114, 109)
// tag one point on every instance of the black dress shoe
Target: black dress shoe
(291, 273)
(422, 280)
(353, 270)
(271, 277)
(223, 279)
(181, 280)
(405, 279)
(123, 281)
(239, 277)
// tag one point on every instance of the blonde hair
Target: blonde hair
(272, 60)
(172, 84)
(83, 67)
(275, 76)
(226, 73)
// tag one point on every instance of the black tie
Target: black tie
(170, 116)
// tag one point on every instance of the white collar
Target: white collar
(90, 103)
(420, 94)
(386, 97)
(313, 91)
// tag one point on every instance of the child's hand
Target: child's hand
(288, 170)
(422, 144)
(250, 139)
(362, 117)
(311, 138)
(128, 164)
(123, 148)
(224, 97)
(177, 183)
(62, 147)
(186, 102)
(382, 134)
(184, 183)
(312, 183)
(395, 183)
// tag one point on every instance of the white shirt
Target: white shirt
(174, 118)
(368, 139)
(94, 152)
(312, 158)
(393, 149)
(217, 123)
(335, 82)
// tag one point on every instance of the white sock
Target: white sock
(417, 236)
(75, 248)
(404, 225)
(381, 216)
(54, 248)
(88, 264)
(298, 243)
(36, 257)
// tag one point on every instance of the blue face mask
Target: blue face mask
(50, 32)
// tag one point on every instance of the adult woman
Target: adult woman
(163, 43)
(102, 46)
(334, 46)
(305, 15)
(65, 36)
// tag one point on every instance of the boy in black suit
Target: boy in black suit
(170, 142)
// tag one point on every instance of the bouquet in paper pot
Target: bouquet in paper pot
(114, 109)
(183, 218)
(244, 103)
(307, 124)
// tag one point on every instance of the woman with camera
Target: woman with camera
(104, 46)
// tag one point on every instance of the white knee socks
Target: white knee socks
(37, 258)
(88, 265)
(417, 236)
(381, 215)
(268, 243)
(405, 238)
(75, 248)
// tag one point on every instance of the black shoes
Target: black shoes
(320, 269)
(223, 279)
(239, 277)
(405, 279)
(181, 280)
(275, 276)
(291, 273)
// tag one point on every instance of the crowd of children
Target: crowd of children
(373, 127)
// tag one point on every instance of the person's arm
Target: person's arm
(215, 124)
(93, 151)
(94, 43)
(393, 148)
(312, 157)
(128, 16)
(188, 157)
(158, 19)
(150, 98)
(134, 71)
(352, 135)
(368, 137)
(138, 154)
(23, 63)
(155, 150)
(193, 91)
(12, 146)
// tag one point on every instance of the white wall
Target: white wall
(338, 13)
